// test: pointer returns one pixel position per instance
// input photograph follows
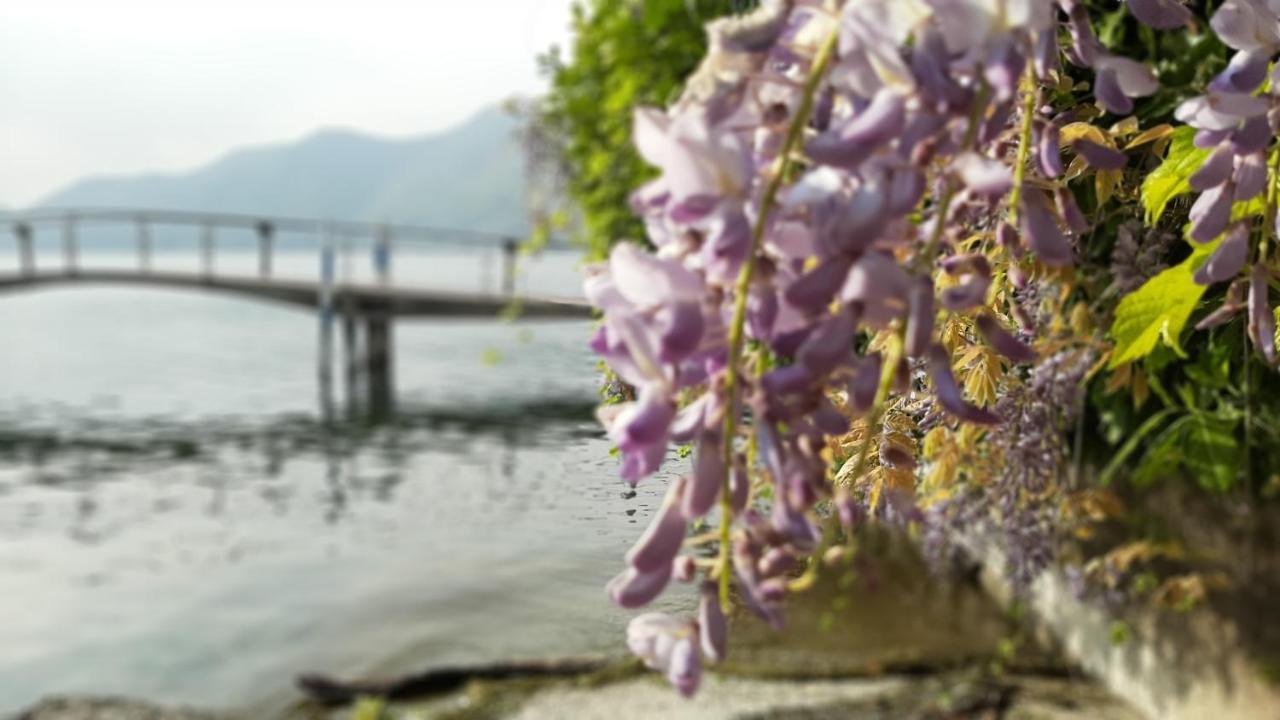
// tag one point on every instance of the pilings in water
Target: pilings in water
(509, 249)
(367, 363)
(365, 311)
(367, 352)
(325, 307)
(351, 354)
(144, 245)
(70, 245)
(378, 365)
(206, 250)
(26, 248)
(266, 233)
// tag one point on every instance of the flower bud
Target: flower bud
(920, 317)
(708, 476)
(1040, 229)
(1048, 152)
(835, 555)
(1098, 156)
(1160, 14)
(775, 562)
(1215, 170)
(662, 539)
(1003, 342)
(684, 568)
(685, 670)
(634, 588)
(1229, 257)
(1262, 322)
(1211, 212)
(713, 631)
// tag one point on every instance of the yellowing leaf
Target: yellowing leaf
(1127, 126)
(1183, 592)
(935, 440)
(1141, 391)
(1172, 177)
(1150, 135)
(1080, 320)
(1157, 311)
(1105, 183)
(1119, 379)
(1076, 168)
(1077, 130)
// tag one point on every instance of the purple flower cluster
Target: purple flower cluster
(1237, 123)
(1137, 256)
(1019, 506)
(1034, 452)
(814, 185)
(677, 647)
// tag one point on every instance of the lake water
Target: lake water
(176, 522)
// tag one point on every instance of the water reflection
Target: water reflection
(443, 535)
(363, 457)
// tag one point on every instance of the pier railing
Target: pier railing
(366, 310)
(336, 236)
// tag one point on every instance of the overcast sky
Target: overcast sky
(108, 86)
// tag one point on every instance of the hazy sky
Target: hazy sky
(108, 86)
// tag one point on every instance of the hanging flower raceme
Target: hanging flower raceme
(819, 184)
(1236, 122)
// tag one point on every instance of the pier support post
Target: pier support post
(206, 250)
(379, 356)
(144, 245)
(265, 232)
(26, 250)
(382, 254)
(325, 302)
(70, 245)
(351, 359)
(509, 247)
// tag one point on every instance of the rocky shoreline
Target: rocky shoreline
(893, 642)
(970, 693)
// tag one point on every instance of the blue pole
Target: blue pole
(382, 255)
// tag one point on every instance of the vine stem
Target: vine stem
(795, 131)
(1248, 411)
(1024, 143)
(926, 257)
(1273, 192)
(897, 341)
(893, 356)
(1264, 239)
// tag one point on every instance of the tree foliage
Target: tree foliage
(626, 53)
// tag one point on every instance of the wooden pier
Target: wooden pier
(366, 310)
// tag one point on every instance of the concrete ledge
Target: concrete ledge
(1172, 666)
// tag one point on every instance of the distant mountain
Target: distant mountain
(468, 177)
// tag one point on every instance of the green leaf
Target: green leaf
(1157, 311)
(1172, 177)
(1200, 444)
(1119, 632)
(370, 708)
(1117, 461)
